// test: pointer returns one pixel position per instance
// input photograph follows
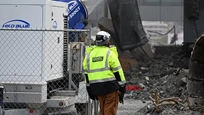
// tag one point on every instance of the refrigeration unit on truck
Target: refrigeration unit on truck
(35, 55)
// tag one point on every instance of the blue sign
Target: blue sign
(19, 24)
(77, 13)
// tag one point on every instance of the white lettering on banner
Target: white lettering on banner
(73, 5)
(74, 12)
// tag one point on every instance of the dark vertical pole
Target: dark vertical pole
(2, 100)
(160, 11)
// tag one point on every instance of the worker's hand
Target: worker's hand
(122, 91)
(121, 96)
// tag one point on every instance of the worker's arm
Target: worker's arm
(119, 74)
(116, 68)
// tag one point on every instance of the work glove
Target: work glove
(121, 96)
(91, 95)
(122, 91)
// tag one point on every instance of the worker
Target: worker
(105, 80)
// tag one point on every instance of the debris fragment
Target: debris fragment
(157, 101)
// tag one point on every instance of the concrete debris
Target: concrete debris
(144, 70)
(160, 76)
(133, 81)
(142, 85)
(147, 78)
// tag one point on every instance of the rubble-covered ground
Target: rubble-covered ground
(165, 75)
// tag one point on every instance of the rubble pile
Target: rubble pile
(164, 75)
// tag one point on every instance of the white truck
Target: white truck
(40, 69)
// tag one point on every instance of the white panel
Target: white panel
(54, 45)
(58, 12)
(31, 54)
(28, 13)
(20, 51)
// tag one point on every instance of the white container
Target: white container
(31, 57)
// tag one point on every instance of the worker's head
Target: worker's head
(102, 38)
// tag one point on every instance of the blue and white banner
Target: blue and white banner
(77, 13)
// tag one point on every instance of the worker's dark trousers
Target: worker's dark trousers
(109, 103)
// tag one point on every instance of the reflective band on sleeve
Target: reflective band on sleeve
(107, 55)
(117, 68)
(99, 69)
(121, 83)
(102, 80)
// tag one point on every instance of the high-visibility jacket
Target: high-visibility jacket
(103, 71)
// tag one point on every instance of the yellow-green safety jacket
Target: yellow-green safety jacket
(102, 69)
